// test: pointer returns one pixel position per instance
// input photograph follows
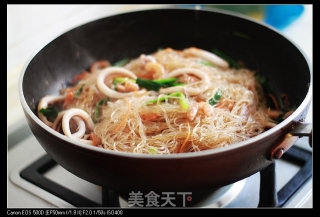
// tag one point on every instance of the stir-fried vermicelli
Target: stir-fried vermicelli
(171, 101)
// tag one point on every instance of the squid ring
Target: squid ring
(110, 71)
(211, 57)
(80, 123)
(190, 90)
(70, 113)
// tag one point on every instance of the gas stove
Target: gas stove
(35, 180)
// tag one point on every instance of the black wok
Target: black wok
(260, 47)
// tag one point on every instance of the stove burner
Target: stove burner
(269, 197)
(220, 197)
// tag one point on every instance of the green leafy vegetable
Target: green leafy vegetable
(149, 84)
(182, 99)
(157, 84)
(121, 62)
(216, 97)
(232, 62)
(50, 113)
(268, 91)
(79, 91)
(261, 79)
(98, 104)
(167, 80)
(178, 84)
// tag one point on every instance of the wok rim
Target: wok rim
(174, 156)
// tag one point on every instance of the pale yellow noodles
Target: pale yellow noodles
(128, 125)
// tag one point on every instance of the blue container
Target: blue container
(278, 16)
(281, 16)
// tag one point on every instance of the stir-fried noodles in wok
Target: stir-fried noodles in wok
(171, 101)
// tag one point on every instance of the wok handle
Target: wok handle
(301, 129)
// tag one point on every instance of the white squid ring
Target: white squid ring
(211, 57)
(190, 90)
(114, 70)
(66, 127)
(80, 123)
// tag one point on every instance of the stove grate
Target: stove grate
(269, 197)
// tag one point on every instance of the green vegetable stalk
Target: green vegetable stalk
(181, 97)
(157, 84)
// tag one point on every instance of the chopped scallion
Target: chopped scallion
(181, 97)
(216, 97)
(98, 104)
(153, 150)
(157, 84)
(79, 91)
(167, 80)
